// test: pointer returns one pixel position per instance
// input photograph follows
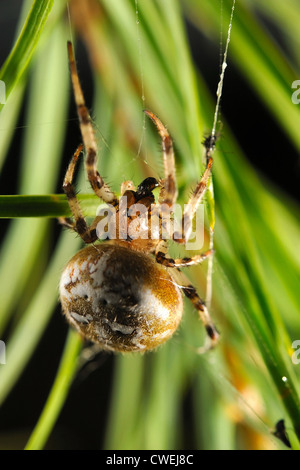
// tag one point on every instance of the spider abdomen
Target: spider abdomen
(119, 298)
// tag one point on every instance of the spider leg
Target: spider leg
(169, 187)
(162, 258)
(100, 188)
(80, 226)
(193, 203)
(190, 292)
(66, 222)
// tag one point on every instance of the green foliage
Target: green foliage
(237, 392)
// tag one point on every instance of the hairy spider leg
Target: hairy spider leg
(193, 204)
(162, 258)
(87, 234)
(169, 187)
(169, 198)
(100, 188)
(190, 292)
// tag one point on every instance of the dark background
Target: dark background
(266, 147)
(253, 125)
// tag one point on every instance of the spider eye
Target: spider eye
(146, 187)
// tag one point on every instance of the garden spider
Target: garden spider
(125, 294)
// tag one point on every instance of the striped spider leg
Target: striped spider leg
(169, 197)
(121, 294)
(88, 234)
(101, 189)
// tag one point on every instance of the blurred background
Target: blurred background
(164, 55)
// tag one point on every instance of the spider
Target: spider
(125, 294)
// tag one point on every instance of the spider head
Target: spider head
(146, 188)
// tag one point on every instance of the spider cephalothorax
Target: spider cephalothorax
(126, 293)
